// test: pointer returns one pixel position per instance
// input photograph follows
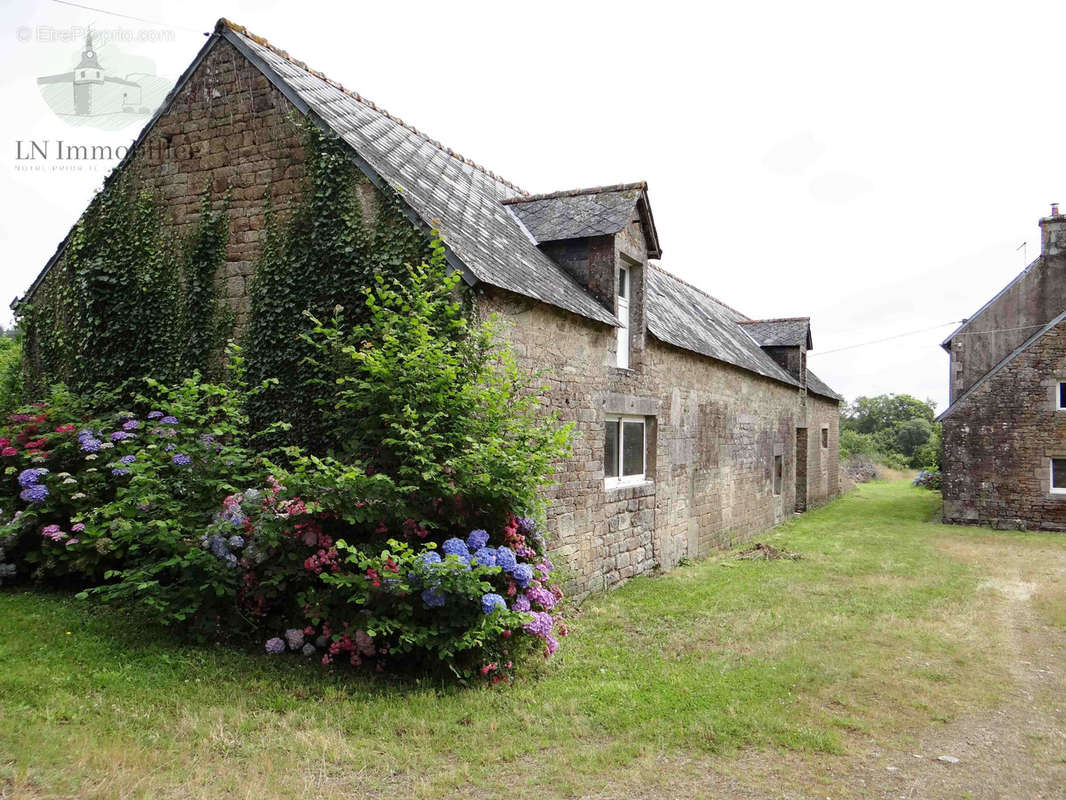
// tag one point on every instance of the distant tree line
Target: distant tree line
(896, 429)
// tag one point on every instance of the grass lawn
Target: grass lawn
(870, 637)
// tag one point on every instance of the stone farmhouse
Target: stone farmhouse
(1004, 458)
(695, 425)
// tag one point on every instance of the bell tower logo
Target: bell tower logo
(107, 90)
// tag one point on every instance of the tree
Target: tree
(912, 434)
(886, 412)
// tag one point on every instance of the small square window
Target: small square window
(1058, 476)
(825, 437)
(779, 473)
(624, 451)
(1060, 405)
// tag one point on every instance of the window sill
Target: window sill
(625, 491)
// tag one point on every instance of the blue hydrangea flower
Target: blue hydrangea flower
(477, 539)
(231, 561)
(506, 558)
(491, 601)
(128, 459)
(433, 597)
(236, 542)
(119, 436)
(155, 414)
(485, 557)
(34, 494)
(429, 557)
(168, 421)
(523, 575)
(131, 425)
(91, 445)
(120, 472)
(181, 460)
(29, 477)
(455, 547)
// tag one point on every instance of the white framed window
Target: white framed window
(625, 450)
(622, 359)
(1058, 476)
(779, 473)
(1060, 397)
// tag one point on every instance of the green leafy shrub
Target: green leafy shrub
(413, 543)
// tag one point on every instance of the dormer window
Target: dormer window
(623, 316)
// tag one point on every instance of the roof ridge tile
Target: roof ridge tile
(262, 41)
(617, 187)
(705, 293)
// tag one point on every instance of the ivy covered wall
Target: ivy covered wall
(135, 293)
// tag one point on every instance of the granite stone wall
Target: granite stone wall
(1000, 439)
(713, 433)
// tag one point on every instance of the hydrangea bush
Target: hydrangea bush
(407, 545)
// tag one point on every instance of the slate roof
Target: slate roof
(787, 332)
(446, 191)
(684, 316)
(816, 385)
(482, 218)
(1017, 352)
(577, 213)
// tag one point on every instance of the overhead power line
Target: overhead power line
(886, 339)
(128, 16)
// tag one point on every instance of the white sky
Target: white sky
(874, 166)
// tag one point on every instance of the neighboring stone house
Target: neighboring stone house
(695, 426)
(1004, 457)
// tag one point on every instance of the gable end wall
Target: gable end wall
(999, 441)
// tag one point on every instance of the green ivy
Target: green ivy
(127, 299)
(323, 256)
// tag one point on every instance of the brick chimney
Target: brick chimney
(1053, 233)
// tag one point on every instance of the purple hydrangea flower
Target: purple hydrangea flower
(90, 445)
(181, 460)
(540, 625)
(155, 414)
(131, 425)
(505, 558)
(552, 644)
(127, 459)
(429, 557)
(541, 596)
(29, 477)
(491, 601)
(120, 472)
(34, 494)
(485, 557)
(119, 436)
(526, 526)
(168, 421)
(433, 597)
(53, 533)
(477, 539)
(294, 637)
(455, 547)
(78, 527)
(521, 603)
(275, 646)
(523, 575)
